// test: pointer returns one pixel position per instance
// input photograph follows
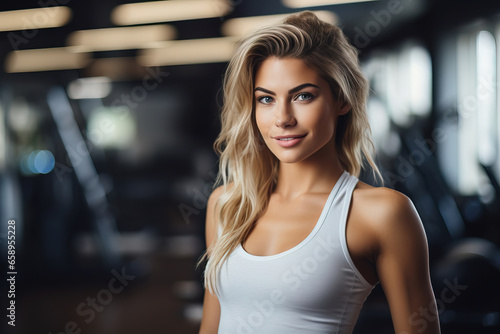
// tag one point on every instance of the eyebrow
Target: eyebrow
(291, 91)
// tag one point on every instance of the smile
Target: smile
(289, 140)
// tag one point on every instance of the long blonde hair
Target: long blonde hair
(247, 169)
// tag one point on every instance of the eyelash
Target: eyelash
(261, 98)
(308, 97)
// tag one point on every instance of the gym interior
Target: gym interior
(108, 114)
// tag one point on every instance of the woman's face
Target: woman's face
(294, 109)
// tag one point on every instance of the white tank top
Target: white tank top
(311, 288)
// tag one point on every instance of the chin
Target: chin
(290, 158)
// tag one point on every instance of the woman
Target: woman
(295, 242)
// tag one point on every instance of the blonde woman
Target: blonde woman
(295, 242)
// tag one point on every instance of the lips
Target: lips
(289, 140)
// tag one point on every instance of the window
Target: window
(477, 108)
(401, 83)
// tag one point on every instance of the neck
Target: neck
(316, 174)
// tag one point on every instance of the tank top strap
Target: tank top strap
(342, 227)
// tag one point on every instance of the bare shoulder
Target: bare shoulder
(381, 198)
(384, 210)
(398, 253)
(214, 196)
(211, 221)
(212, 201)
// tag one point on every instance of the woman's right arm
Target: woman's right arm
(211, 307)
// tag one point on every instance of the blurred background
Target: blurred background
(108, 112)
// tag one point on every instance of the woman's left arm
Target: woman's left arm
(402, 265)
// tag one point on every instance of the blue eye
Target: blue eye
(304, 97)
(265, 99)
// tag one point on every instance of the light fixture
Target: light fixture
(165, 11)
(193, 51)
(51, 59)
(122, 38)
(242, 25)
(37, 18)
(315, 3)
(112, 127)
(89, 88)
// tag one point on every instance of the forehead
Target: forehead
(285, 73)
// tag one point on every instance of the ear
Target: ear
(344, 109)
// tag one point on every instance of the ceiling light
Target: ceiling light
(165, 11)
(36, 60)
(89, 88)
(120, 38)
(314, 3)
(112, 127)
(37, 18)
(194, 51)
(242, 25)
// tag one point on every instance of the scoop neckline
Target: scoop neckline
(317, 226)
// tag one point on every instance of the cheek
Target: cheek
(323, 121)
(261, 121)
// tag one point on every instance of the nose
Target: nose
(284, 116)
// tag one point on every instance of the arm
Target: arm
(211, 314)
(211, 307)
(403, 268)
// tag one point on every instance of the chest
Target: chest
(284, 224)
